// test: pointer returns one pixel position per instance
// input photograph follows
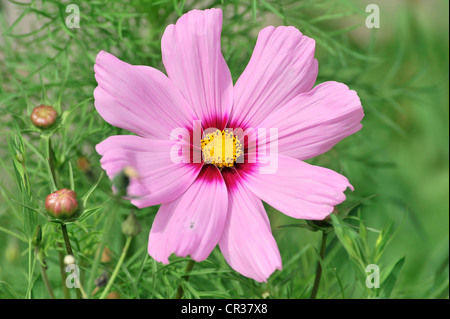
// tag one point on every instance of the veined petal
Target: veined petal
(139, 99)
(159, 179)
(247, 242)
(281, 67)
(297, 189)
(194, 62)
(193, 223)
(313, 122)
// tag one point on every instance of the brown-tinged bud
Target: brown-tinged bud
(113, 295)
(61, 204)
(83, 164)
(131, 226)
(106, 255)
(43, 116)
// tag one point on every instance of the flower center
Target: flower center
(221, 148)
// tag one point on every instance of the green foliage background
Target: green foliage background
(398, 163)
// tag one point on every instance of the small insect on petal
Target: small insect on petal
(131, 226)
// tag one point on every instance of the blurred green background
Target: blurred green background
(400, 157)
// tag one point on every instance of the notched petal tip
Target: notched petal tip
(102, 54)
(282, 66)
(152, 253)
(99, 59)
(194, 63)
(195, 17)
(200, 13)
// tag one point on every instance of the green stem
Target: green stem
(51, 164)
(69, 250)
(62, 271)
(44, 277)
(7, 231)
(66, 240)
(107, 230)
(116, 270)
(319, 266)
(30, 274)
(180, 290)
(81, 289)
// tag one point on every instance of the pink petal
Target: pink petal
(247, 242)
(281, 67)
(159, 179)
(297, 189)
(139, 99)
(193, 223)
(313, 122)
(194, 62)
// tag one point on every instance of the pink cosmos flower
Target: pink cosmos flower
(213, 202)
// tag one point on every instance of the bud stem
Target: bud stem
(107, 230)
(62, 271)
(69, 250)
(51, 165)
(116, 270)
(44, 276)
(66, 239)
(319, 266)
(30, 269)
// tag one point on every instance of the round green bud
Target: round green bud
(37, 238)
(131, 226)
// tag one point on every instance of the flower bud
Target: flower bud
(61, 204)
(43, 116)
(106, 255)
(131, 226)
(19, 157)
(37, 238)
(83, 164)
(113, 295)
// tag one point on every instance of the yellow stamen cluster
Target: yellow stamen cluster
(221, 148)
